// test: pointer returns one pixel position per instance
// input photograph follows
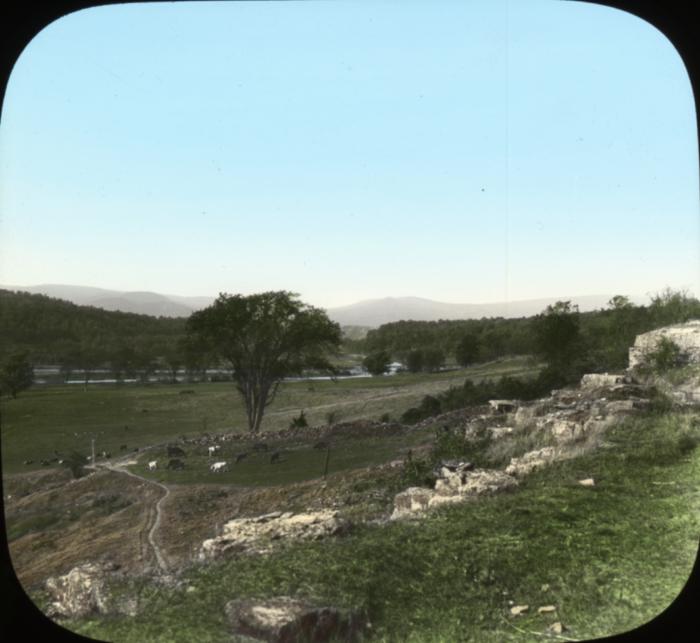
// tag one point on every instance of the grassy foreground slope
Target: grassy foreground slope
(63, 418)
(609, 557)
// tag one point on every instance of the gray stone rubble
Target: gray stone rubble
(258, 534)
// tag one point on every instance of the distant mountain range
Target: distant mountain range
(375, 312)
(368, 313)
(142, 303)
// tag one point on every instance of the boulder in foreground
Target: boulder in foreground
(288, 620)
(257, 534)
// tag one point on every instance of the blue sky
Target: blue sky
(460, 151)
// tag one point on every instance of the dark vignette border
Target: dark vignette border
(20, 619)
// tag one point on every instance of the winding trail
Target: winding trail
(120, 468)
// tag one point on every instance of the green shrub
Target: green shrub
(75, 462)
(429, 407)
(687, 442)
(299, 422)
(666, 356)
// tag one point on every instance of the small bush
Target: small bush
(415, 473)
(687, 442)
(299, 422)
(666, 356)
(76, 463)
(429, 407)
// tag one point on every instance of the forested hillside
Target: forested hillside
(53, 331)
(602, 336)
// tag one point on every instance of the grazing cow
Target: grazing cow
(45, 463)
(175, 452)
(136, 449)
(61, 461)
(260, 446)
(218, 467)
(275, 457)
(241, 456)
(29, 462)
(153, 465)
(321, 445)
(176, 464)
(122, 447)
(213, 450)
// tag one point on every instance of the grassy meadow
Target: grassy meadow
(608, 557)
(64, 418)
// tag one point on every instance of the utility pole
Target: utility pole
(328, 455)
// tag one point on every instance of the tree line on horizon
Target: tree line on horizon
(84, 338)
(263, 338)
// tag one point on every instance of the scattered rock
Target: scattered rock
(556, 628)
(79, 592)
(617, 407)
(453, 486)
(473, 483)
(499, 431)
(530, 461)
(257, 534)
(517, 610)
(600, 380)
(84, 591)
(546, 609)
(564, 430)
(525, 415)
(503, 406)
(287, 620)
(411, 501)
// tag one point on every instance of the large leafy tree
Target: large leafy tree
(16, 374)
(264, 338)
(467, 351)
(558, 336)
(377, 363)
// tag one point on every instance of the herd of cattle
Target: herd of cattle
(175, 453)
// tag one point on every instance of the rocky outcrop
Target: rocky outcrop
(259, 534)
(454, 485)
(531, 461)
(84, 591)
(685, 336)
(565, 423)
(287, 620)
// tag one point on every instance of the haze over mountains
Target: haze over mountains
(370, 312)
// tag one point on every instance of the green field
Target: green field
(608, 558)
(298, 460)
(65, 418)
